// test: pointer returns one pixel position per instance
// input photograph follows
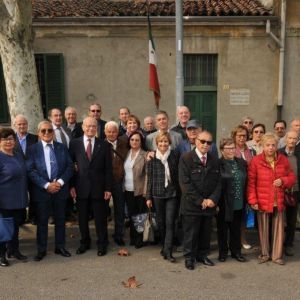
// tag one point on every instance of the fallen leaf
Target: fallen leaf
(123, 252)
(131, 283)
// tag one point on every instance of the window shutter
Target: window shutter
(4, 115)
(54, 81)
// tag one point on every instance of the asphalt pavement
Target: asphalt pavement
(88, 276)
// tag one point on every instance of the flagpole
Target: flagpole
(179, 54)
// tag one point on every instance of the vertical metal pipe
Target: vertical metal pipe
(179, 53)
(281, 56)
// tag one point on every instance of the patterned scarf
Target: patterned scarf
(164, 160)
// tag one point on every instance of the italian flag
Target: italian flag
(153, 78)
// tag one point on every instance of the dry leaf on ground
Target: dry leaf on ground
(123, 252)
(131, 283)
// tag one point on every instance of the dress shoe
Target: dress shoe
(289, 251)
(40, 256)
(17, 254)
(222, 258)
(190, 264)
(102, 252)
(4, 262)
(205, 260)
(82, 249)
(239, 257)
(119, 241)
(170, 258)
(62, 252)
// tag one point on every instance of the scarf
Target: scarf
(164, 160)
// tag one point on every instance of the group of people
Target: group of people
(175, 172)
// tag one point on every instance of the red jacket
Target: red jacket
(260, 182)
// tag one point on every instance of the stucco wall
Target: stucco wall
(112, 64)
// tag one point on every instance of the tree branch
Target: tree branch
(4, 15)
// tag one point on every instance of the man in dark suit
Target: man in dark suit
(71, 122)
(23, 142)
(124, 113)
(62, 134)
(95, 112)
(91, 185)
(24, 138)
(119, 150)
(200, 182)
(49, 168)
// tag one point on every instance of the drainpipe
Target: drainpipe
(281, 44)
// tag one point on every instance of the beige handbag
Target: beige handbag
(148, 235)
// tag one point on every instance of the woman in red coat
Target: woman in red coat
(269, 174)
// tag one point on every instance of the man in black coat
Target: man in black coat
(91, 185)
(200, 182)
(72, 124)
(95, 112)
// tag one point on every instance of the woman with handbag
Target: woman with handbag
(269, 174)
(232, 202)
(13, 193)
(134, 184)
(162, 187)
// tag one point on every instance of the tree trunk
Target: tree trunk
(17, 55)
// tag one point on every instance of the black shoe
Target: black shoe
(161, 252)
(40, 256)
(82, 249)
(205, 260)
(119, 241)
(102, 252)
(222, 258)
(190, 264)
(62, 252)
(170, 258)
(239, 257)
(4, 262)
(17, 254)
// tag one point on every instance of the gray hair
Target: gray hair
(111, 123)
(42, 123)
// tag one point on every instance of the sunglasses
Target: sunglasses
(95, 110)
(258, 131)
(205, 142)
(44, 131)
(248, 122)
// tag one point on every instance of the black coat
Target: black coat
(92, 178)
(77, 131)
(30, 140)
(297, 154)
(198, 182)
(227, 193)
(156, 176)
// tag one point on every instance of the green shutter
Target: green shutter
(54, 81)
(4, 114)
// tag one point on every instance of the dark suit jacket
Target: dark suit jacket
(37, 170)
(76, 132)
(100, 130)
(91, 178)
(30, 140)
(198, 182)
(185, 146)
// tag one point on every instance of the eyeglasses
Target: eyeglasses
(248, 122)
(8, 139)
(279, 128)
(95, 110)
(205, 142)
(45, 131)
(134, 140)
(258, 131)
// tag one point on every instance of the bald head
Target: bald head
(21, 125)
(295, 125)
(89, 127)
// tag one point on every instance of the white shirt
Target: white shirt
(114, 144)
(85, 142)
(200, 155)
(48, 164)
(57, 134)
(128, 166)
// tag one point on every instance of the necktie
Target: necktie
(89, 149)
(203, 159)
(62, 137)
(23, 145)
(53, 163)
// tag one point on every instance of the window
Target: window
(50, 73)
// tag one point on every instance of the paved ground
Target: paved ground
(91, 277)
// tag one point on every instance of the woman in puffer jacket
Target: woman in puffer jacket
(269, 174)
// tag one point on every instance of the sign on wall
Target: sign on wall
(239, 97)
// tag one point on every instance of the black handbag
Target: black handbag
(6, 229)
(289, 198)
